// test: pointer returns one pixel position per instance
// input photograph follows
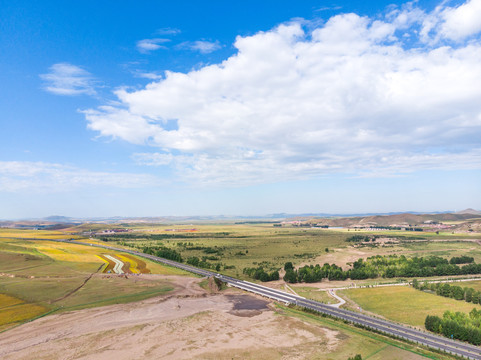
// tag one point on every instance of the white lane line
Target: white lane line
(118, 264)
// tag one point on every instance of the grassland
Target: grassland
(242, 246)
(38, 234)
(404, 304)
(14, 310)
(476, 285)
(38, 276)
(314, 294)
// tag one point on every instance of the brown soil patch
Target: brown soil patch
(126, 267)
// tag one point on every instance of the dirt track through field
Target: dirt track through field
(78, 288)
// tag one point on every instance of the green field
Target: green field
(314, 294)
(476, 285)
(39, 276)
(404, 304)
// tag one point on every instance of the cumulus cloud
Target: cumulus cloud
(51, 177)
(202, 46)
(68, 79)
(351, 95)
(453, 23)
(147, 45)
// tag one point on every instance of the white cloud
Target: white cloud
(351, 96)
(146, 75)
(168, 31)
(453, 23)
(153, 159)
(147, 45)
(202, 46)
(462, 21)
(49, 177)
(68, 79)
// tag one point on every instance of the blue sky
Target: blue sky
(238, 108)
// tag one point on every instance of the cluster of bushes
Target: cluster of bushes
(171, 254)
(384, 266)
(457, 325)
(260, 274)
(204, 249)
(163, 252)
(202, 263)
(357, 357)
(360, 238)
(311, 273)
(461, 260)
(120, 237)
(451, 291)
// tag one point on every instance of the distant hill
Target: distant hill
(469, 211)
(343, 220)
(396, 219)
(58, 219)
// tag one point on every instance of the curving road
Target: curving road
(394, 329)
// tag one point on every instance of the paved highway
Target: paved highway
(400, 331)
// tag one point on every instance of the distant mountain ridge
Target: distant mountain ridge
(469, 211)
(334, 219)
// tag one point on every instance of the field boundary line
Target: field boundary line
(79, 287)
(377, 351)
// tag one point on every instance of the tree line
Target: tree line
(202, 263)
(457, 325)
(163, 252)
(311, 273)
(384, 266)
(259, 273)
(361, 238)
(467, 294)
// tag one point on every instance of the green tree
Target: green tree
(290, 276)
(415, 283)
(468, 294)
(356, 357)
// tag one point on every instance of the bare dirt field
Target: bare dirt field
(187, 323)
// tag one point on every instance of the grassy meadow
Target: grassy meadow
(314, 294)
(37, 277)
(403, 303)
